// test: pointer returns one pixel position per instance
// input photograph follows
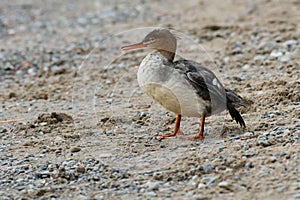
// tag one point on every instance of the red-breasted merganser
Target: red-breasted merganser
(184, 87)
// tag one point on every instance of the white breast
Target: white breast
(168, 87)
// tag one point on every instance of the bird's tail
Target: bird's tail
(235, 99)
(235, 114)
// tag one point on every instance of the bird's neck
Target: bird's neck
(167, 54)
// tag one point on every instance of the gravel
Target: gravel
(74, 126)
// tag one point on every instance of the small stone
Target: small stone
(263, 142)
(143, 114)
(4, 130)
(223, 184)
(96, 178)
(246, 67)
(271, 115)
(193, 181)
(296, 196)
(113, 95)
(82, 21)
(190, 193)
(150, 194)
(285, 58)
(276, 54)
(152, 185)
(75, 149)
(8, 66)
(265, 134)
(260, 93)
(142, 190)
(278, 112)
(281, 189)
(80, 169)
(248, 134)
(273, 159)
(265, 115)
(249, 165)
(244, 77)
(162, 113)
(208, 168)
(259, 57)
(220, 149)
(12, 95)
(210, 180)
(289, 43)
(32, 71)
(58, 139)
(226, 59)
(201, 186)
(43, 123)
(167, 184)
(286, 132)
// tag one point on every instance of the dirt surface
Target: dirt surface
(75, 125)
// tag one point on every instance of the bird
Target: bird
(184, 87)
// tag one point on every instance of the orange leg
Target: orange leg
(176, 129)
(200, 134)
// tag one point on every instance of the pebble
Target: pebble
(280, 189)
(289, 43)
(273, 159)
(276, 54)
(189, 193)
(75, 149)
(209, 180)
(44, 123)
(8, 67)
(208, 167)
(223, 184)
(263, 142)
(271, 115)
(249, 165)
(152, 185)
(247, 134)
(268, 45)
(285, 58)
(296, 196)
(32, 71)
(82, 21)
(193, 181)
(267, 115)
(278, 112)
(226, 59)
(259, 57)
(260, 93)
(246, 67)
(80, 169)
(150, 194)
(143, 114)
(202, 186)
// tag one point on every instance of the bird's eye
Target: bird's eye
(149, 40)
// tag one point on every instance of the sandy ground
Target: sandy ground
(75, 125)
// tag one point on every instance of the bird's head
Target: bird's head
(160, 39)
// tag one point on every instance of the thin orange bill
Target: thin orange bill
(134, 46)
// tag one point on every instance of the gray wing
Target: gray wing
(205, 83)
(210, 88)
